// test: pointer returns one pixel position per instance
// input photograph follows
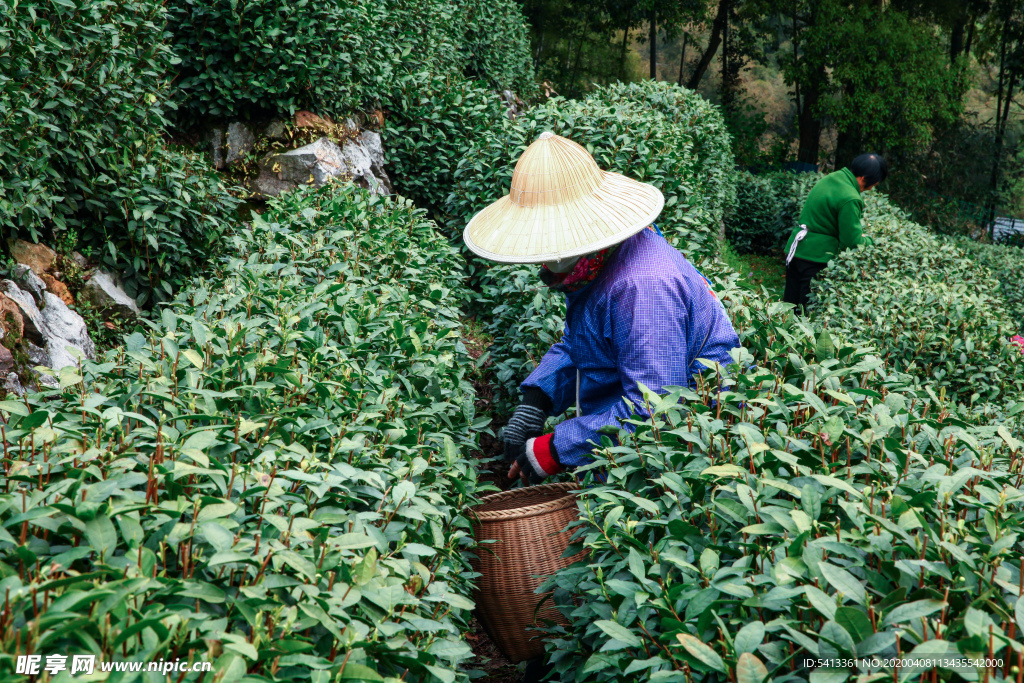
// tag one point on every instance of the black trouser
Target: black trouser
(799, 274)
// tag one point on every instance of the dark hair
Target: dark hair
(871, 167)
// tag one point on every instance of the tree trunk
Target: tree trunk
(796, 59)
(807, 119)
(956, 38)
(625, 43)
(654, 45)
(579, 52)
(849, 140)
(713, 43)
(1000, 125)
(997, 164)
(970, 34)
(725, 63)
(682, 58)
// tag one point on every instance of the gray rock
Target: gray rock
(217, 148)
(276, 130)
(267, 184)
(370, 141)
(240, 140)
(35, 327)
(515, 105)
(53, 328)
(30, 282)
(315, 163)
(80, 260)
(66, 328)
(359, 165)
(360, 161)
(36, 355)
(12, 384)
(103, 292)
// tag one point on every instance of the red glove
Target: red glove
(539, 460)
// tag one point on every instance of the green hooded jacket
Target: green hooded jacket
(832, 216)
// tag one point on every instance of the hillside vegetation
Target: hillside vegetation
(272, 475)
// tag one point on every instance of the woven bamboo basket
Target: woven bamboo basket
(527, 525)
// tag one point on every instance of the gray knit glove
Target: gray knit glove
(527, 422)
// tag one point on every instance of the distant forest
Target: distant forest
(934, 85)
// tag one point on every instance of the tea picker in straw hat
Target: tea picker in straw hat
(637, 312)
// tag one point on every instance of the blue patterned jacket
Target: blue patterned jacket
(643, 320)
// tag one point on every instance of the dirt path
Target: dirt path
(488, 659)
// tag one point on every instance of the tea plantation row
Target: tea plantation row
(928, 307)
(817, 508)
(270, 479)
(832, 502)
(942, 310)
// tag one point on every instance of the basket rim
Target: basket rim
(529, 510)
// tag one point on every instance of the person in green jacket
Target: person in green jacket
(829, 223)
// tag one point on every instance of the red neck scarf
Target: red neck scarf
(586, 271)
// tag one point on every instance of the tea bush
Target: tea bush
(82, 107)
(654, 132)
(710, 186)
(273, 57)
(1007, 265)
(766, 210)
(752, 224)
(496, 46)
(791, 190)
(433, 119)
(429, 128)
(926, 306)
(271, 478)
(814, 509)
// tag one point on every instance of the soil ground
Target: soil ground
(488, 660)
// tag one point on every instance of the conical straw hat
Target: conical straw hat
(561, 205)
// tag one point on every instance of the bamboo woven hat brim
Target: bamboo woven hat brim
(561, 205)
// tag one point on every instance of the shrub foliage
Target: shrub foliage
(429, 129)
(767, 209)
(814, 509)
(752, 225)
(82, 106)
(273, 57)
(927, 306)
(271, 478)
